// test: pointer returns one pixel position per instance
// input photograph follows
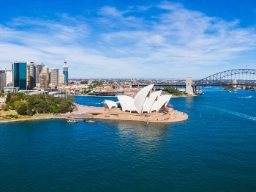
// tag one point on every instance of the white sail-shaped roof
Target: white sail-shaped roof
(161, 101)
(144, 101)
(150, 101)
(141, 96)
(127, 103)
(110, 103)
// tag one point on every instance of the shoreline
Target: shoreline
(89, 112)
(101, 113)
(32, 119)
(183, 96)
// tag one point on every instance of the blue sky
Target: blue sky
(130, 39)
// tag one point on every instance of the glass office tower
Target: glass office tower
(65, 71)
(19, 75)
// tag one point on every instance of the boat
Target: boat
(71, 121)
(89, 121)
(250, 96)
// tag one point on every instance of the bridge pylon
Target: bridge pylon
(234, 83)
(189, 84)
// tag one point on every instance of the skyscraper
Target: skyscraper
(39, 69)
(43, 80)
(8, 76)
(62, 79)
(2, 80)
(19, 75)
(65, 71)
(55, 77)
(31, 75)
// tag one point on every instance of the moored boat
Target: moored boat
(71, 121)
(89, 121)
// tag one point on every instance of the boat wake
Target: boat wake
(234, 113)
(248, 97)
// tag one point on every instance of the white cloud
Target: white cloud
(119, 44)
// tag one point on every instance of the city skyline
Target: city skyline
(149, 39)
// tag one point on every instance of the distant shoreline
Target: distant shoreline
(183, 96)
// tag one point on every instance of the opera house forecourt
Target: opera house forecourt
(146, 106)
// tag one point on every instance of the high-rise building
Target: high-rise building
(2, 80)
(20, 75)
(62, 79)
(65, 71)
(31, 75)
(55, 77)
(45, 70)
(43, 80)
(8, 76)
(39, 69)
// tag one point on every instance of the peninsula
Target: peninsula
(146, 106)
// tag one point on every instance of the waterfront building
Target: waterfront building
(65, 71)
(8, 77)
(62, 79)
(2, 80)
(11, 90)
(19, 74)
(146, 101)
(43, 80)
(38, 69)
(55, 77)
(59, 93)
(31, 75)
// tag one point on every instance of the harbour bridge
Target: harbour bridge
(233, 77)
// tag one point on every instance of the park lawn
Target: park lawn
(41, 115)
(10, 112)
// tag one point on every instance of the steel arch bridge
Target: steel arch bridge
(243, 76)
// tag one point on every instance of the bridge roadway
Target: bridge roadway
(195, 85)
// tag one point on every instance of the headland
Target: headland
(85, 112)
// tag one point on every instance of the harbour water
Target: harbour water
(214, 150)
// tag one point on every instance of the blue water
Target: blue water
(215, 150)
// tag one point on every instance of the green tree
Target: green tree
(5, 107)
(53, 109)
(20, 95)
(64, 107)
(42, 107)
(17, 104)
(173, 91)
(22, 110)
(8, 98)
(84, 82)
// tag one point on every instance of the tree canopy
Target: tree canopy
(31, 104)
(173, 91)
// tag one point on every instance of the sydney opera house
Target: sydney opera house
(146, 101)
(147, 106)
